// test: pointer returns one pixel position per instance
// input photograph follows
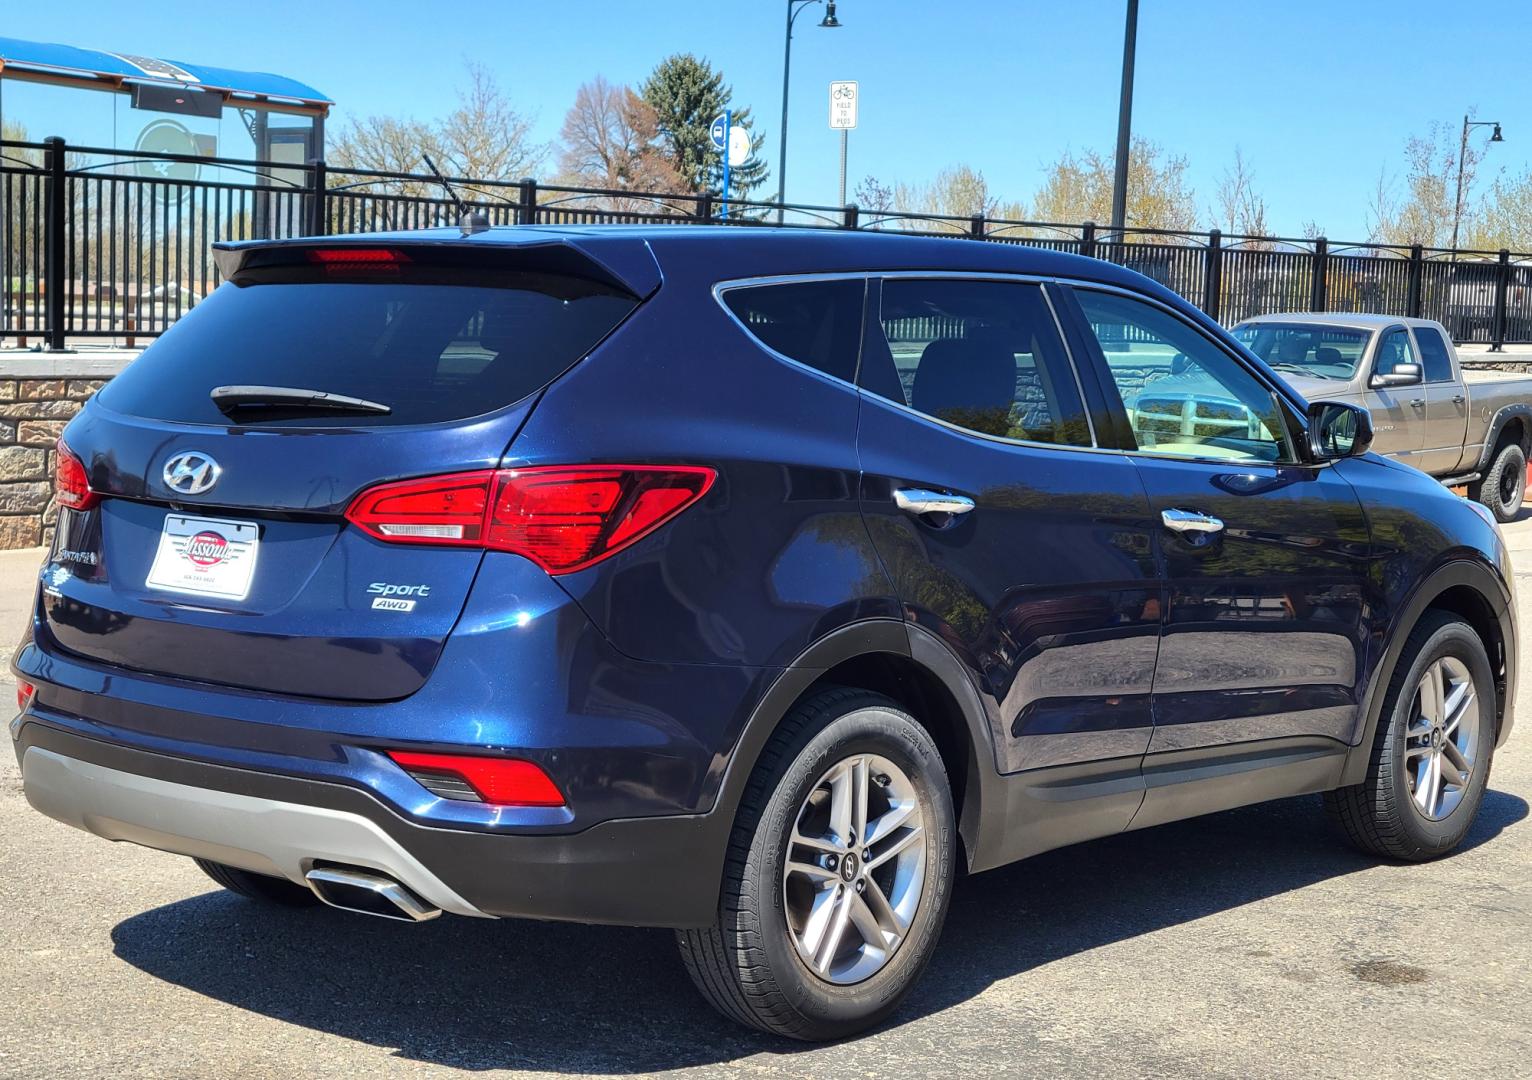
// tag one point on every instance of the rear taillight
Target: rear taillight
(500, 781)
(24, 692)
(70, 481)
(562, 517)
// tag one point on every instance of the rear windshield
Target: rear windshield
(433, 343)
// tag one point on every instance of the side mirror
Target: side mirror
(1402, 375)
(1338, 430)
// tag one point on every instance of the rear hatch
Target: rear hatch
(214, 545)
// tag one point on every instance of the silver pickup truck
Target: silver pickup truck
(1472, 432)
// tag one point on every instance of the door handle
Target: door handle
(922, 501)
(1458, 399)
(1190, 521)
(1418, 403)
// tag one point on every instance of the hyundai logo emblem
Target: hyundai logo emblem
(191, 473)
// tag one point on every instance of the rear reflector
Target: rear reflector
(500, 781)
(562, 517)
(70, 481)
(24, 692)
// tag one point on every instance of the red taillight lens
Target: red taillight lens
(501, 781)
(563, 517)
(24, 692)
(70, 481)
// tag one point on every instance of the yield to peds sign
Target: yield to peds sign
(842, 105)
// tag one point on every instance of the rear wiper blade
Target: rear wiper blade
(292, 397)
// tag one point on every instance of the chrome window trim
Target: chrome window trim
(719, 288)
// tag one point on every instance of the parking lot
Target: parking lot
(1246, 944)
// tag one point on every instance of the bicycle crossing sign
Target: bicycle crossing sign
(843, 98)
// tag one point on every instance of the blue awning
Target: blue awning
(67, 61)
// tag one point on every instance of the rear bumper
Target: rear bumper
(657, 871)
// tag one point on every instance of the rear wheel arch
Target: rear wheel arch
(1515, 430)
(1469, 591)
(906, 664)
(1511, 424)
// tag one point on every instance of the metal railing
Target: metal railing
(100, 243)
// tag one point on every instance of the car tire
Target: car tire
(260, 887)
(775, 960)
(1395, 812)
(1504, 485)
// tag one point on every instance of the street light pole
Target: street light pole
(829, 22)
(1457, 203)
(1124, 121)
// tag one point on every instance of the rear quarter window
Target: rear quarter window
(434, 343)
(818, 323)
(1433, 350)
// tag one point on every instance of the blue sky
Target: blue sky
(1318, 95)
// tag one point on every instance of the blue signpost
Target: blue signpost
(720, 135)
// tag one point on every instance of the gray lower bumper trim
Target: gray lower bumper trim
(263, 835)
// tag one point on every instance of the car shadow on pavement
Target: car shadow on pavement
(576, 999)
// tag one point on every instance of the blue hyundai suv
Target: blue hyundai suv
(748, 582)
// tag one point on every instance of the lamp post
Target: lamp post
(829, 22)
(1124, 121)
(1457, 205)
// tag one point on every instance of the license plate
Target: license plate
(205, 557)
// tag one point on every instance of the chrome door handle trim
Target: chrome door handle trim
(922, 501)
(1418, 403)
(1459, 399)
(1190, 521)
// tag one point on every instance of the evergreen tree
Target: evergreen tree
(686, 95)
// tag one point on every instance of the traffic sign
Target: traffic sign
(739, 146)
(843, 100)
(720, 131)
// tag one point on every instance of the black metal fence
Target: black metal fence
(99, 243)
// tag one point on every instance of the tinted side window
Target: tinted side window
(1185, 396)
(1393, 350)
(818, 323)
(983, 355)
(1434, 351)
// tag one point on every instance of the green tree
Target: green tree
(686, 94)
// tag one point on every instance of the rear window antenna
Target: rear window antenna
(469, 221)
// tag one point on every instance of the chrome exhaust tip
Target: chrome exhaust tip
(368, 894)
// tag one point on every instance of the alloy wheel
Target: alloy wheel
(1442, 738)
(855, 868)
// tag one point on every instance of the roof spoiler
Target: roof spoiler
(623, 263)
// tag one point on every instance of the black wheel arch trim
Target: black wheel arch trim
(1521, 410)
(867, 638)
(1460, 572)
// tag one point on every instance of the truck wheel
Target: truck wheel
(260, 887)
(1431, 755)
(1505, 483)
(837, 876)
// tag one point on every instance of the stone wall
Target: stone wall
(38, 397)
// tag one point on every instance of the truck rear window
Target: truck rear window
(434, 343)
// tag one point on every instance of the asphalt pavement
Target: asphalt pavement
(1246, 944)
